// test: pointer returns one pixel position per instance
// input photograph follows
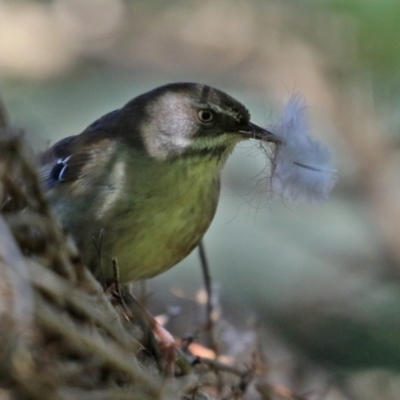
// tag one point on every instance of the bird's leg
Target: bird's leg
(163, 338)
(117, 285)
(207, 285)
(210, 315)
(132, 309)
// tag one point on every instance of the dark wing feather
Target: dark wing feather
(69, 168)
(65, 160)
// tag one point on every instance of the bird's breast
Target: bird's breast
(159, 217)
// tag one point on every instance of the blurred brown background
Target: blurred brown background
(321, 280)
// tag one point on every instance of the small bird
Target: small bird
(147, 175)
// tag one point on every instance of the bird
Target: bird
(147, 175)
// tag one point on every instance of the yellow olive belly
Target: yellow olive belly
(154, 235)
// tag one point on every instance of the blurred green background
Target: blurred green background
(322, 280)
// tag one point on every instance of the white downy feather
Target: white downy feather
(301, 166)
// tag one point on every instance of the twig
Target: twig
(219, 366)
(117, 283)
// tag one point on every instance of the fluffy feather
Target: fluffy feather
(301, 166)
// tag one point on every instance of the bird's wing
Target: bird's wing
(63, 162)
(66, 160)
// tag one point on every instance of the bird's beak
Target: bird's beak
(252, 131)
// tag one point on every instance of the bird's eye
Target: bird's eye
(205, 116)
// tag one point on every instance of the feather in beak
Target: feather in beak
(301, 166)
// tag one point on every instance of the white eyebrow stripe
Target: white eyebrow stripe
(229, 111)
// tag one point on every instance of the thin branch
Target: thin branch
(219, 366)
(117, 283)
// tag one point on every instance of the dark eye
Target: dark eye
(205, 116)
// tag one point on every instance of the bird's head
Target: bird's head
(189, 119)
